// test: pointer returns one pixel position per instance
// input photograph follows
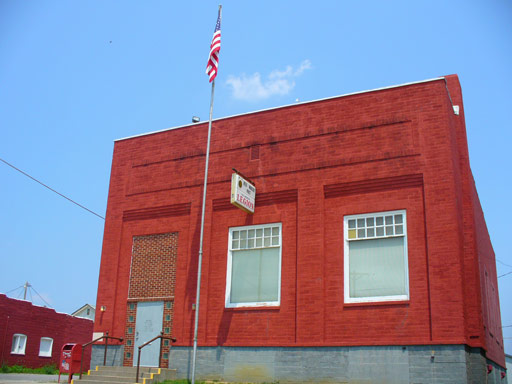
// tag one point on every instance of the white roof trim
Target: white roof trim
(286, 106)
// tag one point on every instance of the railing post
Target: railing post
(106, 346)
(81, 362)
(160, 353)
(138, 365)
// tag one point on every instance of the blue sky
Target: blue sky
(76, 75)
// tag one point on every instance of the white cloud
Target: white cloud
(252, 88)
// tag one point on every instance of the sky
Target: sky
(77, 75)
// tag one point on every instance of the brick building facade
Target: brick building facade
(33, 336)
(367, 257)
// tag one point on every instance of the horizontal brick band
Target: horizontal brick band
(157, 212)
(373, 185)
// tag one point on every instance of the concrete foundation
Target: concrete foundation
(114, 355)
(387, 364)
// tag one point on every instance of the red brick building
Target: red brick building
(367, 257)
(33, 336)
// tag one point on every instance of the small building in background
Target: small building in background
(33, 336)
(87, 312)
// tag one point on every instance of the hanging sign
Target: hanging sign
(243, 193)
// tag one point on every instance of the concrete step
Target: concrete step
(125, 375)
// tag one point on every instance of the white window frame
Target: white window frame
(275, 303)
(15, 347)
(45, 353)
(346, 268)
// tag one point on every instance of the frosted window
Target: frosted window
(376, 257)
(45, 347)
(19, 343)
(254, 266)
(255, 276)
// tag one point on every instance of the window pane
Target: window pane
(243, 234)
(360, 234)
(351, 223)
(360, 223)
(377, 267)
(379, 220)
(18, 344)
(45, 348)
(234, 244)
(250, 243)
(275, 240)
(389, 220)
(267, 231)
(255, 276)
(351, 233)
(380, 231)
(243, 244)
(259, 232)
(389, 230)
(266, 242)
(370, 222)
(235, 234)
(259, 242)
(399, 230)
(370, 232)
(275, 231)
(398, 219)
(251, 233)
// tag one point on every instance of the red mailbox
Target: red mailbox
(70, 357)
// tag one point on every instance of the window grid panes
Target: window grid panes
(255, 238)
(376, 226)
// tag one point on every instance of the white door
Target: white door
(148, 325)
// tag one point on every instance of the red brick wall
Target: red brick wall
(153, 271)
(398, 148)
(17, 316)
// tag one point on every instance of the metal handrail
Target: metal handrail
(161, 336)
(106, 337)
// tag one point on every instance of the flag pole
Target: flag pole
(200, 258)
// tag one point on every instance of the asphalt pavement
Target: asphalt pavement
(24, 378)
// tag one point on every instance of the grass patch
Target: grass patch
(46, 370)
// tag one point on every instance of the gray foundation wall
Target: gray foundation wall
(114, 355)
(447, 364)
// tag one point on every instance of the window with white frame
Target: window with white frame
(254, 266)
(45, 347)
(19, 342)
(376, 257)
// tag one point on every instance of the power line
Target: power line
(51, 189)
(40, 296)
(505, 274)
(501, 262)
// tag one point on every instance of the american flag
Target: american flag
(213, 58)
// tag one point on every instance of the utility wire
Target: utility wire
(51, 189)
(501, 262)
(40, 296)
(29, 290)
(12, 290)
(505, 274)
